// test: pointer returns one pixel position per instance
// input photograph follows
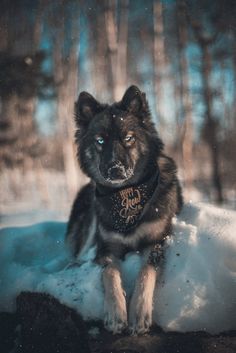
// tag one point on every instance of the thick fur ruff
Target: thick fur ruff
(128, 204)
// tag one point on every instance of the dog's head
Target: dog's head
(117, 143)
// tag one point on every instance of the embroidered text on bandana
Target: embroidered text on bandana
(126, 207)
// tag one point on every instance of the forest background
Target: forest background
(181, 53)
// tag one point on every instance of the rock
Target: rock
(47, 326)
(8, 324)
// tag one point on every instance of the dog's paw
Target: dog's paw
(140, 326)
(115, 315)
(140, 316)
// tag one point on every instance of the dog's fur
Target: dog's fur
(119, 148)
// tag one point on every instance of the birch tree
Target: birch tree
(66, 80)
(159, 60)
(117, 36)
(187, 131)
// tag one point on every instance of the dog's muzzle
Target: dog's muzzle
(116, 171)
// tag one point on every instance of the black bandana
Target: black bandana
(126, 207)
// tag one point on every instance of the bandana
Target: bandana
(126, 207)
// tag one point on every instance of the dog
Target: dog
(129, 203)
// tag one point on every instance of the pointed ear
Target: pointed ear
(132, 100)
(85, 109)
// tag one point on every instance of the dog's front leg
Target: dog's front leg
(141, 305)
(114, 302)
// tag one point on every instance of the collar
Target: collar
(124, 208)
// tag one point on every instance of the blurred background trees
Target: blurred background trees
(181, 53)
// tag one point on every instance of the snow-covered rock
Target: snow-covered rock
(197, 289)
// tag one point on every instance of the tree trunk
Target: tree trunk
(121, 74)
(98, 51)
(66, 78)
(234, 66)
(111, 34)
(117, 37)
(187, 136)
(211, 124)
(159, 60)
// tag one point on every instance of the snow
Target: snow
(197, 289)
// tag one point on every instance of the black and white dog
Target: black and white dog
(128, 204)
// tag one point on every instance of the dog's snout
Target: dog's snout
(116, 171)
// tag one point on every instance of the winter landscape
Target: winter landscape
(182, 54)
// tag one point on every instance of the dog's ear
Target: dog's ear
(132, 100)
(85, 109)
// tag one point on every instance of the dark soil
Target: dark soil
(42, 325)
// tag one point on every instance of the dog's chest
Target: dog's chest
(145, 234)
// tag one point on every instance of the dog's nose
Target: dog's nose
(116, 171)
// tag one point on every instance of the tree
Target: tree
(117, 36)
(159, 59)
(22, 79)
(205, 40)
(65, 39)
(187, 134)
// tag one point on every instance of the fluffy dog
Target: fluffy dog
(128, 204)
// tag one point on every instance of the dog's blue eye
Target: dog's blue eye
(100, 140)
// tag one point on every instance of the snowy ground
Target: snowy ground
(197, 290)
